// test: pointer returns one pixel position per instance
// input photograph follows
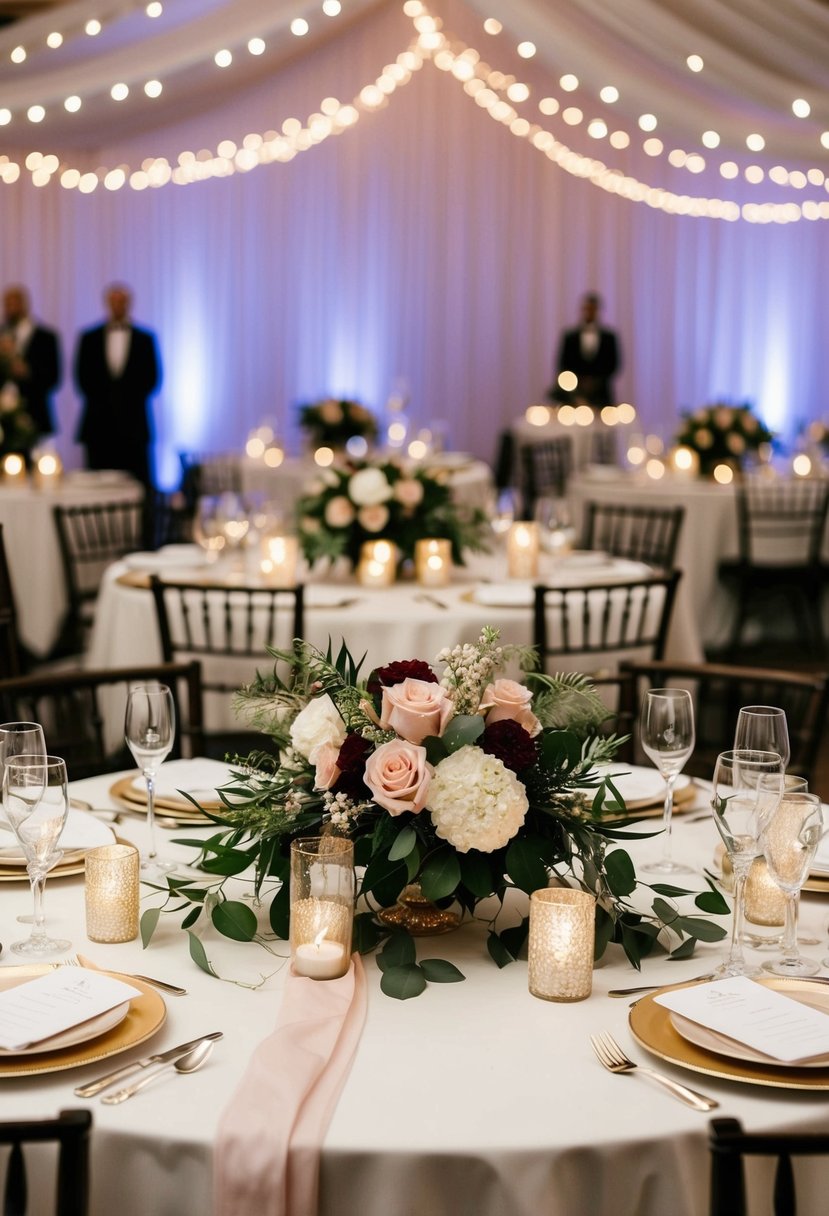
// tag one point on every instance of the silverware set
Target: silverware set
(185, 1058)
(610, 1056)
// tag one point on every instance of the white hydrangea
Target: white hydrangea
(476, 802)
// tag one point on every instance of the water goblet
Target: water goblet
(790, 833)
(504, 511)
(16, 739)
(746, 790)
(207, 528)
(149, 730)
(555, 525)
(763, 728)
(36, 802)
(667, 734)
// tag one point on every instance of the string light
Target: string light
(18, 55)
(93, 27)
(54, 40)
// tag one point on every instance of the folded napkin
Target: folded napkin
(199, 777)
(170, 557)
(266, 1160)
(514, 594)
(82, 831)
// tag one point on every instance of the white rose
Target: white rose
(369, 487)
(317, 725)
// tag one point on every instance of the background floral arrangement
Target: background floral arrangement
(466, 783)
(333, 423)
(18, 432)
(723, 434)
(373, 500)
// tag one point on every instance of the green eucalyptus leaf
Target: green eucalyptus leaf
(235, 920)
(440, 875)
(403, 983)
(476, 873)
(621, 875)
(227, 863)
(665, 912)
(399, 951)
(560, 750)
(439, 971)
(367, 933)
(499, 954)
(665, 888)
(199, 955)
(524, 864)
(403, 844)
(703, 930)
(605, 926)
(713, 902)
(685, 949)
(149, 920)
(384, 879)
(191, 917)
(515, 937)
(462, 731)
(436, 749)
(279, 913)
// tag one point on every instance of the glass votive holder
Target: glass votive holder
(765, 903)
(377, 566)
(111, 890)
(433, 562)
(561, 944)
(322, 906)
(522, 550)
(279, 555)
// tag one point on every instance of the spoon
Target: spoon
(184, 1064)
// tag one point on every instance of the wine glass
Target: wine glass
(746, 790)
(760, 888)
(207, 528)
(149, 730)
(667, 734)
(16, 739)
(763, 728)
(789, 836)
(555, 524)
(36, 802)
(505, 509)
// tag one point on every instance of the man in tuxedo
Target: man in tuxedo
(30, 360)
(116, 371)
(592, 354)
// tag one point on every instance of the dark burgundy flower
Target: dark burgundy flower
(351, 761)
(511, 744)
(396, 673)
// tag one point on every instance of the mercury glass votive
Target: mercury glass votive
(765, 902)
(279, 555)
(433, 562)
(522, 550)
(111, 890)
(561, 944)
(377, 566)
(322, 906)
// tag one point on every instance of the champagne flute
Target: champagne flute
(17, 739)
(746, 790)
(667, 734)
(36, 802)
(763, 728)
(149, 730)
(790, 833)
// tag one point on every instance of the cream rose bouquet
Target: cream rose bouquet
(383, 500)
(334, 421)
(449, 776)
(723, 434)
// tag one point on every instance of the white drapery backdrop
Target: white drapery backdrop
(427, 244)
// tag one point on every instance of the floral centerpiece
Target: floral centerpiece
(18, 432)
(723, 434)
(449, 776)
(333, 422)
(355, 502)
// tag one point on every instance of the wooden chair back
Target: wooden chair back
(643, 534)
(11, 659)
(545, 470)
(781, 523)
(729, 1145)
(71, 1132)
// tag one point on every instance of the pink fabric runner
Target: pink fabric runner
(270, 1135)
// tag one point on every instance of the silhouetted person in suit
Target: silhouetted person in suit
(592, 354)
(117, 370)
(29, 358)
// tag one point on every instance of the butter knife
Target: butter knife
(163, 1057)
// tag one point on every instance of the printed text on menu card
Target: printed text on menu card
(54, 1002)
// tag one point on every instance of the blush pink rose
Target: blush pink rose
(398, 776)
(324, 759)
(373, 518)
(339, 512)
(507, 700)
(415, 709)
(408, 491)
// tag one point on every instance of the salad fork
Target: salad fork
(610, 1055)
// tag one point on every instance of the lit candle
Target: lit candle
(684, 462)
(14, 468)
(279, 560)
(378, 564)
(112, 893)
(765, 901)
(320, 959)
(522, 550)
(48, 470)
(561, 944)
(433, 562)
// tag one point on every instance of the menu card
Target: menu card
(761, 1018)
(55, 1002)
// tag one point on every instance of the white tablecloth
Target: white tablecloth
(475, 1099)
(32, 550)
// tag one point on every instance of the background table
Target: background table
(33, 553)
(475, 1099)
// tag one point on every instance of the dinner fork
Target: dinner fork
(610, 1055)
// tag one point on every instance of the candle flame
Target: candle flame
(320, 938)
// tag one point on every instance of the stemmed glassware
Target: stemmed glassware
(17, 739)
(504, 511)
(789, 838)
(555, 524)
(667, 734)
(36, 802)
(763, 728)
(208, 531)
(149, 730)
(746, 792)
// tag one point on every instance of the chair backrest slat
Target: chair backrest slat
(644, 534)
(71, 1132)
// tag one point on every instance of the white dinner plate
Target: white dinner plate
(722, 1045)
(82, 832)
(82, 1033)
(585, 559)
(171, 557)
(637, 784)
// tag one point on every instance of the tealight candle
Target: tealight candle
(14, 468)
(561, 944)
(522, 550)
(433, 562)
(111, 891)
(322, 906)
(765, 902)
(47, 471)
(684, 462)
(320, 959)
(378, 563)
(278, 564)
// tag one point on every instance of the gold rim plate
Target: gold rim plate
(147, 1014)
(818, 884)
(651, 1026)
(124, 792)
(64, 870)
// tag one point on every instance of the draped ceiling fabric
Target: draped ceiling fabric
(428, 245)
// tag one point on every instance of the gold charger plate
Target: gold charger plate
(20, 874)
(124, 792)
(146, 1016)
(818, 884)
(651, 1026)
(645, 808)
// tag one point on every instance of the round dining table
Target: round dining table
(475, 1099)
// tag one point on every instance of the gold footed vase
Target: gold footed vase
(418, 915)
